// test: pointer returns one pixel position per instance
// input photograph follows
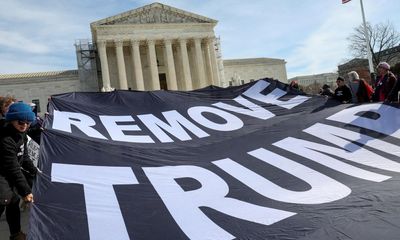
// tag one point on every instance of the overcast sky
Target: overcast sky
(310, 35)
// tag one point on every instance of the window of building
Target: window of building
(242, 81)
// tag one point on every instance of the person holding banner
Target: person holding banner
(35, 130)
(342, 92)
(15, 166)
(384, 83)
(326, 91)
(394, 95)
(361, 90)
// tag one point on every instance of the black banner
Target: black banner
(259, 161)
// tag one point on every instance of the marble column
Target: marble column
(214, 63)
(123, 82)
(199, 63)
(153, 65)
(178, 67)
(209, 74)
(171, 74)
(185, 64)
(137, 65)
(105, 74)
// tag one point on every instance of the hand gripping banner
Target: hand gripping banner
(258, 161)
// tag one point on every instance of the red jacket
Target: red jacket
(383, 87)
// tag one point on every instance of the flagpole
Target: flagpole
(369, 55)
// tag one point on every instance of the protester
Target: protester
(342, 92)
(384, 83)
(326, 91)
(354, 82)
(294, 85)
(361, 90)
(394, 95)
(365, 92)
(5, 102)
(15, 166)
(36, 128)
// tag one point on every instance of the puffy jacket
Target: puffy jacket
(14, 161)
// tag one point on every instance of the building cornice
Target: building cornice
(252, 61)
(36, 77)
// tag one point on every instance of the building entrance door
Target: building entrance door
(163, 81)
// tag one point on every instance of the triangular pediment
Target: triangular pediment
(155, 13)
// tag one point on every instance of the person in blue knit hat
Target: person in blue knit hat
(15, 166)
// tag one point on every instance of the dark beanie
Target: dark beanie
(325, 86)
(20, 111)
(340, 78)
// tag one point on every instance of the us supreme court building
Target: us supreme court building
(149, 48)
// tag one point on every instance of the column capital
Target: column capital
(167, 41)
(150, 41)
(119, 43)
(183, 40)
(101, 43)
(197, 39)
(209, 39)
(135, 41)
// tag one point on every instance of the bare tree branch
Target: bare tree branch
(382, 36)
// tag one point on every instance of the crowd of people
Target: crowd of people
(385, 88)
(17, 170)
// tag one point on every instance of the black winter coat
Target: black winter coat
(343, 94)
(14, 162)
(394, 94)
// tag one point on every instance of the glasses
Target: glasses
(22, 123)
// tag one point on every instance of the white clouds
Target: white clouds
(41, 19)
(10, 65)
(16, 41)
(326, 46)
(37, 37)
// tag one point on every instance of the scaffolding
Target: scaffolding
(86, 54)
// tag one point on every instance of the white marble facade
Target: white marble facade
(241, 71)
(156, 47)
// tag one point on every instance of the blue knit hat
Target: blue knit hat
(20, 111)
